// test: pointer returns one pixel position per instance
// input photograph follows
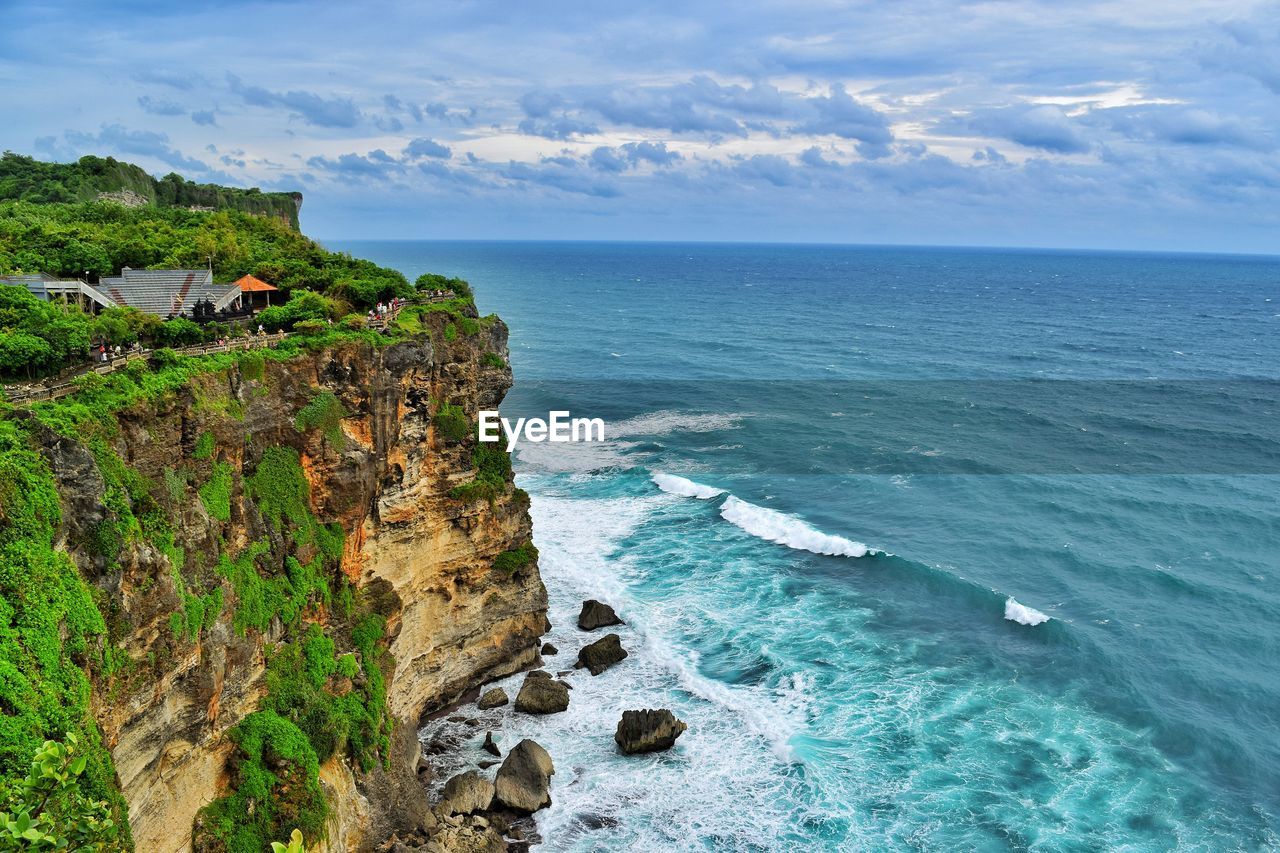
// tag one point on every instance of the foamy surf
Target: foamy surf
(685, 488)
(1023, 615)
(784, 529)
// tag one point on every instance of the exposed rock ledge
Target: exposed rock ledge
(423, 559)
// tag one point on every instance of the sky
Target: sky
(1122, 125)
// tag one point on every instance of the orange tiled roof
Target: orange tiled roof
(249, 284)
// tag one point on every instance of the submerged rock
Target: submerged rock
(524, 780)
(596, 614)
(541, 694)
(466, 793)
(491, 746)
(648, 731)
(548, 649)
(494, 698)
(602, 654)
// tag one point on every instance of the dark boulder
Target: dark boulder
(648, 731)
(491, 746)
(523, 783)
(548, 649)
(602, 654)
(494, 698)
(542, 694)
(596, 614)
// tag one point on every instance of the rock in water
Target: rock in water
(495, 698)
(542, 695)
(524, 779)
(466, 793)
(648, 731)
(491, 746)
(601, 654)
(548, 649)
(596, 614)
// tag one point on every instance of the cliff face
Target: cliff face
(376, 464)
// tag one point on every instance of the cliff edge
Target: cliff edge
(295, 560)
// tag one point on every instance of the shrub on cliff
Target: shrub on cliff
(47, 810)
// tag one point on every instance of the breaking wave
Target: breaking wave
(1023, 615)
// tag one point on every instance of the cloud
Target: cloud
(352, 168)
(562, 128)
(1045, 127)
(118, 140)
(1182, 126)
(310, 107)
(563, 173)
(652, 152)
(205, 118)
(839, 114)
(423, 147)
(769, 167)
(160, 106)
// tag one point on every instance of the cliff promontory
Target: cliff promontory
(294, 555)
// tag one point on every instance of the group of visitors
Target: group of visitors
(383, 310)
(104, 352)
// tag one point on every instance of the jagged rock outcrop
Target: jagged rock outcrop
(596, 614)
(493, 698)
(523, 783)
(648, 731)
(417, 558)
(602, 654)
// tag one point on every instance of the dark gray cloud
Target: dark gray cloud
(839, 114)
(423, 147)
(312, 108)
(1045, 127)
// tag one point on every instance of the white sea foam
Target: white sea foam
(787, 530)
(672, 484)
(668, 421)
(1023, 615)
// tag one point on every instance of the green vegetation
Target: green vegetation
(216, 493)
(325, 413)
(28, 179)
(451, 422)
(204, 446)
(493, 471)
(50, 628)
(451, 332)
(275, 789)
(252, 366)
(516, 559)
(491, 359)
(48, 810)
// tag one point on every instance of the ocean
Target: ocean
(934, 549)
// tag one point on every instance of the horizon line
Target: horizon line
(816, 244)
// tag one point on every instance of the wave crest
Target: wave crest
(784, 529)
(671, 484)
(1023, 615)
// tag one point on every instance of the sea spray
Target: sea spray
(1023, 615)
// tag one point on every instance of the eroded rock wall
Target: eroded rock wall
(417, 557)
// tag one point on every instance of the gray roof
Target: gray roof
(165, 292)
(46, 287)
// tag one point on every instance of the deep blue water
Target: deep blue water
(1093, 436)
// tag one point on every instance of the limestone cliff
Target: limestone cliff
(369, 428)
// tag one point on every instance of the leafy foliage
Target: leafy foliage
(325, 413)
(47, 810)
(493, 473)
(516, 559)
(216, 493)
(28, 179)
(451, 422)
(50, 627)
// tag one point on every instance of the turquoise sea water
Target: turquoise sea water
(844, 488)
